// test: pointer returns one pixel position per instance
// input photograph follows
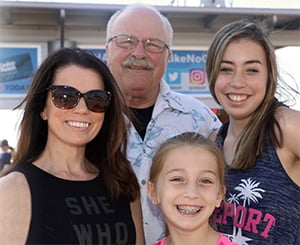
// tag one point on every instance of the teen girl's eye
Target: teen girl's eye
(225, 69)
(252, 70)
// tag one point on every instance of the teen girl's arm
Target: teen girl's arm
(289, 154)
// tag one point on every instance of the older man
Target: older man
(138, 50)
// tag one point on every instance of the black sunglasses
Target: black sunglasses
(66, 97)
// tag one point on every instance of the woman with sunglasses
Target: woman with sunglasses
(71, 182)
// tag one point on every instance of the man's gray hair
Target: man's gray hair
(164, 19)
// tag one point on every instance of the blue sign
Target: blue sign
(17, 66)
(100, 53)
(185, 72)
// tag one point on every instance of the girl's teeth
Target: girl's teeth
(237, 97)
(189, 210)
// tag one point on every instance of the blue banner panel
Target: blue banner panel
(17, 66)
(185, 72)
(100, 53)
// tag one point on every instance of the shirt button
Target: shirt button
(144, 151)
(144, 182)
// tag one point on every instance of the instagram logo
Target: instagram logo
(197, 76)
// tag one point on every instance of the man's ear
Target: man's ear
(152, 193)
(107, 53)
(170, 53)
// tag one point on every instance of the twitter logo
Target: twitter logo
(173, 77)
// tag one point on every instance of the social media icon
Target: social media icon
(173, 77)
(197, 76)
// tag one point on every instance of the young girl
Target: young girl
(187, 182)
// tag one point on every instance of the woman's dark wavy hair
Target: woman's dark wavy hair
(107, 151)
(263, 123)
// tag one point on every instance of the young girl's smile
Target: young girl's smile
(188, 189)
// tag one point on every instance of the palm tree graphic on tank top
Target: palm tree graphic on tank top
(248, 192)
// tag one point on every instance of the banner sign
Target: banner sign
(17, 66)
(185, 72)
(100, 53)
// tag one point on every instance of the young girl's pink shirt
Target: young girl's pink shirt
(223, 240)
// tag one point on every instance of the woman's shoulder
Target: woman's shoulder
(15, 208)
(14, 193)
(14, 182)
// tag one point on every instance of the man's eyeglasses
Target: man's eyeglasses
(66, 97)
(152, 45)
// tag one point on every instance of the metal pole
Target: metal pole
(62, 27)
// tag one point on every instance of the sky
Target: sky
(292, 4)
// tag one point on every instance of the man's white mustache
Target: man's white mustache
(140, 63)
